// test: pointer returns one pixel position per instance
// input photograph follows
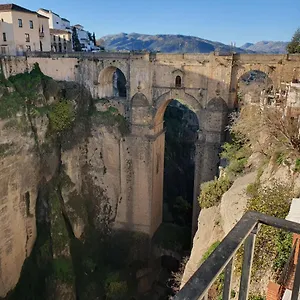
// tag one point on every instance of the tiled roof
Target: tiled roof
(9, 7)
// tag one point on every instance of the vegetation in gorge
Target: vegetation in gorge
(278, 141)
(212, 191)
(111, 117)
(272, 246)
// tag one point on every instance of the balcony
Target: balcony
(222, 259)
(42, 34)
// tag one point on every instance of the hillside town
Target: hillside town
(23, 30)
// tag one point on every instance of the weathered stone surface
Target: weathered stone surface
(214, 223)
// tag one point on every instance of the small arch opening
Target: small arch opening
(178, 81)
(112, 83)
(254, 87)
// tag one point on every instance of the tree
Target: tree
(90, 36)
(94, 39)
(75, 40)
(294, 45)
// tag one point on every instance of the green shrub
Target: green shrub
(210, 250)
(256, 297)
(63, 269)
(237, 154)
(280, 157)
(115, 288)
(252, 189)
(272, 246)
(62, 116)
(111, 117)
(212, 191)
(297, 165)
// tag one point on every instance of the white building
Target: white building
(55, 21)
(84, 39)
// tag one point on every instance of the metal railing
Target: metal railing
(222, 259)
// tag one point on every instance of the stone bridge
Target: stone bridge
(206, 83)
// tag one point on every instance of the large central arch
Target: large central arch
(161, 104)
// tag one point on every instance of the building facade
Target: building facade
(55, 21)
(22, 30)
(85, 40)
(61, 40)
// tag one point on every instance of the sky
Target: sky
(225, 21)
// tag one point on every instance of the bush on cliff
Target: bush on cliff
(212, 191)
(273, 246)
(236, 153)
(61, 116)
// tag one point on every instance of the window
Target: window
(59, 38)
(28, 48)
(54, 38)
(27, 37)
(4, 37)
(178, 82)
(30, 24)
(20, 22)
(3, 50)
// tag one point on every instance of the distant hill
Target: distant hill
(165, 43)
(266, 47)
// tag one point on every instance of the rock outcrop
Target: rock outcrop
(215, 222)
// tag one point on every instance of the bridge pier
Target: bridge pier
(143, 164)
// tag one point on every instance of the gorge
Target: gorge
(82, 164)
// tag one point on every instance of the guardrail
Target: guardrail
(222, 259)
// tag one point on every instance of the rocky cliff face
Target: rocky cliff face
(59, 189)
(214, 223)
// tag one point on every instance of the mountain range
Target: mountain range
(266, 47)
(171, 43)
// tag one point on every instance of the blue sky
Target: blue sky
(218, 20)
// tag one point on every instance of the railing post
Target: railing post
(247, 264)
(295, 292)
(227, 281)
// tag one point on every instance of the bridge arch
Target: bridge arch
(254, 86)
(112, 83)
(164, 100)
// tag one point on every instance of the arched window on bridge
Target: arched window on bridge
(178, 81)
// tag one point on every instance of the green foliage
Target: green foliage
(62, 116)
(256, 297)
(283, 243)
(11, 104)
(294, 45)
(111, 117)
(297, 165)
(75, 40)
(63, 269)
(210, 250)
(237, 154)
(212, 191)
(115, 288)
(59, 233)
(280, 158)
(252, 189)
(272, 246)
